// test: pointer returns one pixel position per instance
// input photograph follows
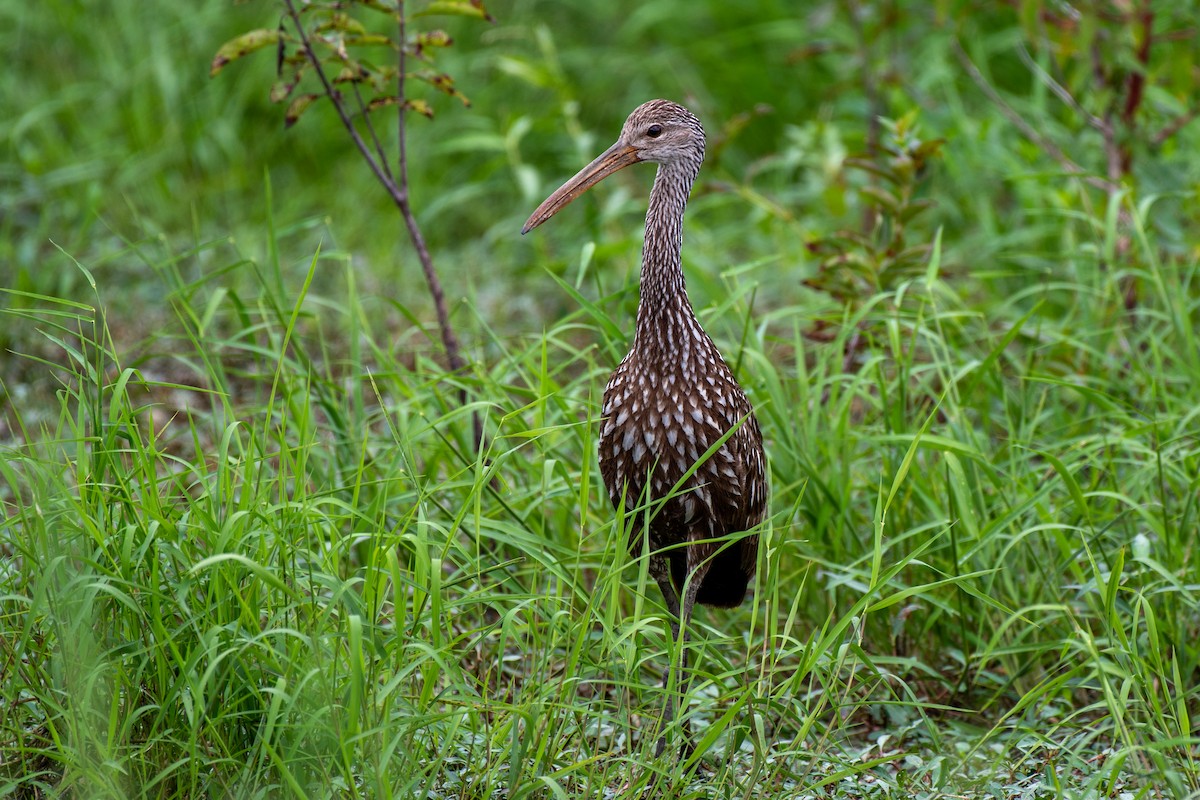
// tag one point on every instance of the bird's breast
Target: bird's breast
(662, 414)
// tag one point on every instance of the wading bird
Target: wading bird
(679, 436)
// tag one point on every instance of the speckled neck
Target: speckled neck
(662, 285)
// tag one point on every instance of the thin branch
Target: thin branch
(414, 230)
(366, 118)
(1059, 90)
(1174, 127)
(1049, 147)
(335, 97)
(401, 92)
(397, 189)
(449, 340)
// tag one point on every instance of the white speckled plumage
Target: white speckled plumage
(691, 398)
(673, 397)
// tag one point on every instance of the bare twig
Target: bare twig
(335, 97)
(364, 112)
(401, 94)
(449, 340)
(1174, 127)
(1049, 147)
(1058, 89)
(414, 231)
(396, 185)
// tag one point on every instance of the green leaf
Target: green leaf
(914, 208)
(243, 45)
(443, 83)
(419, 106)
(351, 74)
(378, 5)
(1069, 481)
(434, 38)
(533, 74)
(456, 8)
(610, 328)
(298, 107)
(340, 21)
(977, 373)
(866, 165)
(369, 39)
(281, 90)
(882, 197)
(906, 462)
(1102, 399)
(933, 267)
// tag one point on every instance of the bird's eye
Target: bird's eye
(654, 131)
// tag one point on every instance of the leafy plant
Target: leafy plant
(241, 557)
(858, 264)
(323, 46)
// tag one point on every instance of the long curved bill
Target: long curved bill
(611, 160)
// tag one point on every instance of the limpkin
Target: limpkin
(673, 398)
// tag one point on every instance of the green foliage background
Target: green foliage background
(246, 549)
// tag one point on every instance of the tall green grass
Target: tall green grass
(269, 565)
(248, 549)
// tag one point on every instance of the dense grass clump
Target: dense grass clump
(249, 548)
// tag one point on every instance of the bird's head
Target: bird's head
(659, 131)
(663, 132)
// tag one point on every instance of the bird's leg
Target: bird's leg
(683, 636)
(660, 570)
(685, 675)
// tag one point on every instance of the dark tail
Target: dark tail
(725, 582)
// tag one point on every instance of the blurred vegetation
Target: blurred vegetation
(246, 548)
(118, 137)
